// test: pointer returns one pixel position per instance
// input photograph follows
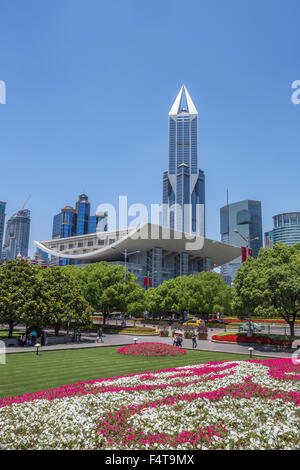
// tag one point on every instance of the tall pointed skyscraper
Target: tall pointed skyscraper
(183, 182)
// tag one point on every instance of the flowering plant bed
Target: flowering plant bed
(258, 320)
(151, 349)
(219, 405)
(256, 338)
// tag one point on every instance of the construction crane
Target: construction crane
(25, 203)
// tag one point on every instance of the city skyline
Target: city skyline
(84, 115)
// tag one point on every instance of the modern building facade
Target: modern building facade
(183, 182)
(286, 228)
(2, 222)
(17, 235)
(71, 222)
(246, 217)
(152, 250)
(269, 239)
(40, 258)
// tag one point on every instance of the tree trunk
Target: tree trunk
(10, 331)
(56, 329)
(292, 328)
(104, 318)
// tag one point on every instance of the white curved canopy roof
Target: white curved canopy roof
(142, 239)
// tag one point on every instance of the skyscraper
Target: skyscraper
(17, 234)
(246, 217)
(72, 222)
(83, 214)
(286, 228)
(2, 221)
(183, 182)
(269, 239)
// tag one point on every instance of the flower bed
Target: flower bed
(151, 349)
(257, 339)
(257, 320)
(222, 405)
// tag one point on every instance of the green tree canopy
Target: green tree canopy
(270, 285)
(22, 298)
(103, 286)
(65, 303)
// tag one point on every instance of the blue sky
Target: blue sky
(89, 87)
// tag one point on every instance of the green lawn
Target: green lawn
(16, 334)
(26, 372)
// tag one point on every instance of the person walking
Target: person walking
(194, 341)
(33, 337)
(100, 336)
(28, 340)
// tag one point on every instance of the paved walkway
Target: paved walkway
(120, 340)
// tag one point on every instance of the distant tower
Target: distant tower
(2, 221)
(246, 217)
(17, 234)
(183, 182)
(83, 214)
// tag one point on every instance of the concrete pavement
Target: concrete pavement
(120, 340)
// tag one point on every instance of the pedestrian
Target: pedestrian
(43, 338)
(22, 340)
(28, 340)
(100, 336)
(194, 341)
(33, 337)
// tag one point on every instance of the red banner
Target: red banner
(145, 281)
(244, 254)
(250, 252)
(150, 282)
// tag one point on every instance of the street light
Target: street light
(248, 241)
(125, 254)
(37, 348)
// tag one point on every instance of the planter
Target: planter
(202, 336)
(164, 334)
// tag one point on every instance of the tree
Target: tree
(270, 285)
(103, 286)
(153, 300)
(21, 296)
(65, 304)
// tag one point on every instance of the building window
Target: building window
(91, 243)
(80, 244)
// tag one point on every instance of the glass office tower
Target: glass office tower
(83, 208)
(17, 235)
(246, 217)
(71, 222)
(183, 182)
(2, 222)
(286, 228)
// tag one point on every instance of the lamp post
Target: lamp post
(125, 254)
(37, 348)
(248, 241)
